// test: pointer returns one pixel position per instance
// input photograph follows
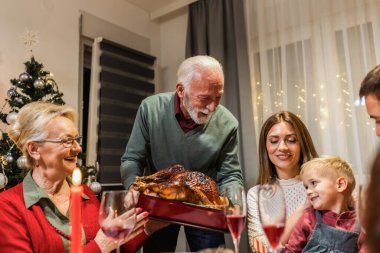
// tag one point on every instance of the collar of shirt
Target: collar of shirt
(33, 193)
(185, 124)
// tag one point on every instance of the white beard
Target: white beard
(193, 112)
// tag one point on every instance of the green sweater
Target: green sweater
(157, 141)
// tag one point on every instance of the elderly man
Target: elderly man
(370, 89)
(191, 128)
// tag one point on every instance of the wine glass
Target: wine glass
(117, 215)
(272, 212)
(235, 212)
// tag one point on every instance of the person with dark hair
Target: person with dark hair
(187, 127)
(370, 91)
(284, 145)
(371, 216)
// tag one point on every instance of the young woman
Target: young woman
(284, 145)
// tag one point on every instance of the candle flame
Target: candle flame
(77, 176)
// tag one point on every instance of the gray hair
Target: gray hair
(31, 121)
(193, 68)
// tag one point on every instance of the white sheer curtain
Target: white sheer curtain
(309, 57)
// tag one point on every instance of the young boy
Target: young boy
(330, 224)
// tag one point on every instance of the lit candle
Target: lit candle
(76, 191)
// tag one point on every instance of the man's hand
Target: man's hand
(131, 198)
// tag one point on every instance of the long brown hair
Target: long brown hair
(267, 170)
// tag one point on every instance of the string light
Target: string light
(299, 88)
(301, 99)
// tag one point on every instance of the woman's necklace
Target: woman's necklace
(60, 232)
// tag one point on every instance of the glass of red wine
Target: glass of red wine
(235, 212)
(117, 215)
(272, 210)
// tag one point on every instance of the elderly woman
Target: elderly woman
(34, 215)
(285, 144)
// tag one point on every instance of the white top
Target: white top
(295, 196)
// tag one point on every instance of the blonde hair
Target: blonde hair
(333, 167)
(31, 121)
(193, 67)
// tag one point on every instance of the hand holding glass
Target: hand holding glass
(117, 217)
(272, 211)
(235, 212)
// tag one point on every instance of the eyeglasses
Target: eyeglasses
(67, 142)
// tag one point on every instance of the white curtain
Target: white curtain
(309, 57)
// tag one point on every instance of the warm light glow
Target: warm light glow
(77, 177)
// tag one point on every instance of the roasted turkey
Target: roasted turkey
(176, 183)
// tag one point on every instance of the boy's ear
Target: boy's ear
(341, 184)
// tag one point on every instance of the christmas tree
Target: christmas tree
(34, 84)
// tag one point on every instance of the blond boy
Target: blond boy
(330, 224)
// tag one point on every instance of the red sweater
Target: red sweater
(28, 230)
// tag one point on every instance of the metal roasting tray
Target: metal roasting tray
(183, 213)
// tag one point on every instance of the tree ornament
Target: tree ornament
(24, 77)
(33, 84)
(11, 118)
(96, 187)
(30, 38)
(50, 82)
(19, 100)
(21, 162)
(3, 180)
(11, 93)
(38, 83)
(8, 158)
